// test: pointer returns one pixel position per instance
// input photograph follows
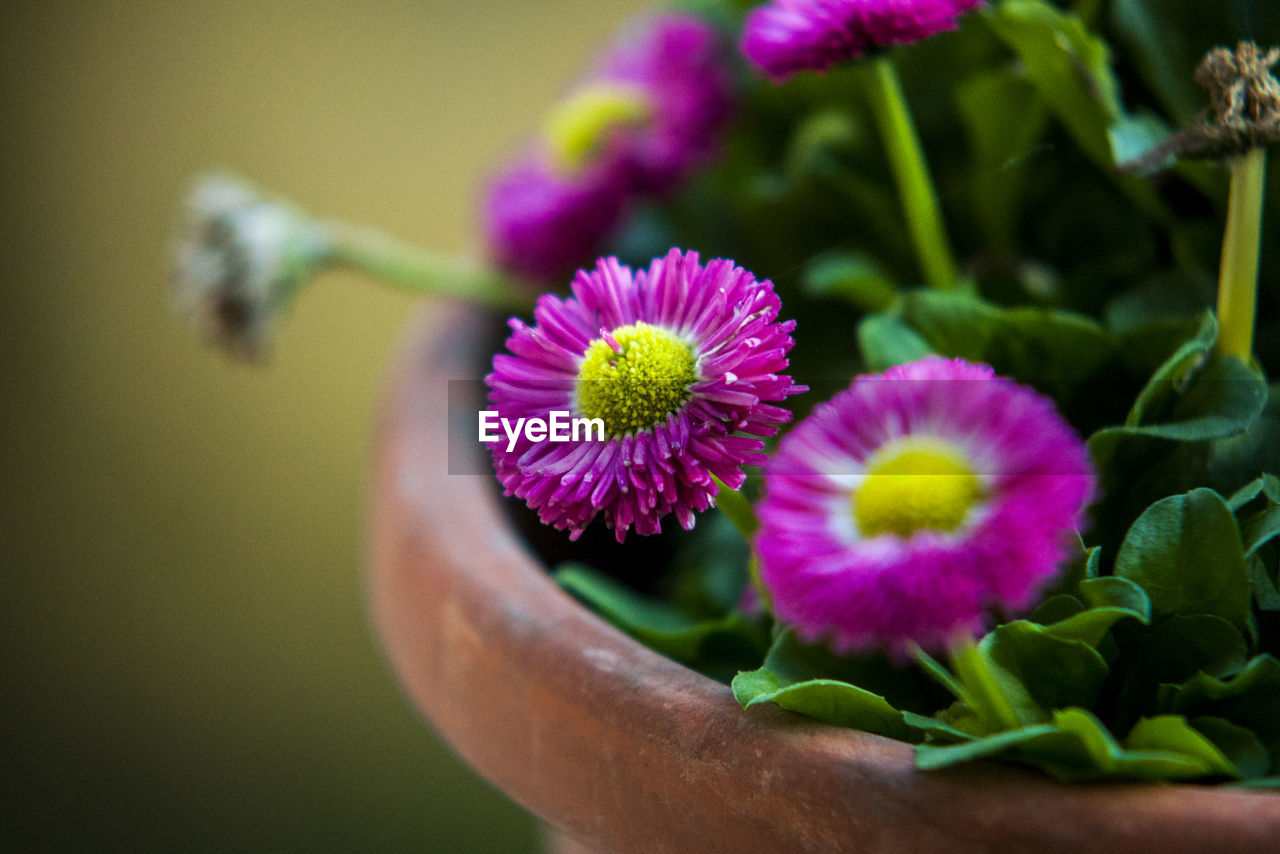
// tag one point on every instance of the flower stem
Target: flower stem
(379, 254)
(1238, 276)
(738, 510)
(915, 186)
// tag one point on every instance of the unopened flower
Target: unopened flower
(682, 363)
(239, 258)
(916, 501)
(638, 125)
(787, 36)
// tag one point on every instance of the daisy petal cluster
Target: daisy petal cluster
(683, 365)
(787, 36)
(914, 502)
(638, 125)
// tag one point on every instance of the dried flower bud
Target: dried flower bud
(1244, 98)
(238, 259)
(1243, 92)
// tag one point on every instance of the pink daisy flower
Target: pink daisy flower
(915, 501)
(681, 363)
(649, 115)
(680, 65)
(787, 36)
(540, 223)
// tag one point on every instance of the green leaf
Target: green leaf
(1004, 118)
(1076, 746)
(1242, 455)
(887, 341)
(736, 508)
(1110, 600)
(1258, 529)
(1054, 671)
(827, 700)
(1185, 552)
(1107, 758)
(1071, 69)
(852, 276)
(936, 730)
(793, 661)
(1271, 487)
(1250, 699)
(954, 323)
(1181, 647)
(1240, 745)
(660, 625)
(1112, 592)
(1172, 733)
(811, 680)
(1264, 587)
(1055, 351)
(932, 756)
(1195, 395)
(1068, 66)
(1245, 494)
(994, 695)
(1056, 609)
(1058, 352)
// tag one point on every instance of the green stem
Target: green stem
(982, 693)
(432, 273)
(738, 510)
(1238, 276)
(915, 186)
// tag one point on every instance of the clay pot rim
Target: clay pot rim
(625, 749)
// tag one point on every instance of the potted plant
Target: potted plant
(1030, 515)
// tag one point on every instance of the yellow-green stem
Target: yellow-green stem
(1238, 276)
(915, 186)
(431, 273)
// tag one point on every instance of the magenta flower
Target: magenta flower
(680, 363)
(540, 223)
(915, 501)
(647, 117)
(679, 63)
(787, 36)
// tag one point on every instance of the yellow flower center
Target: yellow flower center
(634, 377)
(578, 125)
(914, 484)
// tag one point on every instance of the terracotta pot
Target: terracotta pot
(627, 751)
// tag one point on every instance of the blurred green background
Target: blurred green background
(187, 660)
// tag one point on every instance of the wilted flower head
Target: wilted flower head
(647, 116)
(914, 502)
(680, 362)
(239, 258)
(787, 36)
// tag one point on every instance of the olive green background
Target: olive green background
(187, 659)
